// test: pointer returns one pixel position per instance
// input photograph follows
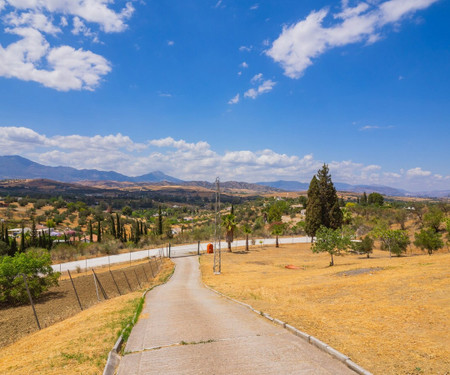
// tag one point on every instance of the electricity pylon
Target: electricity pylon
(217, 232)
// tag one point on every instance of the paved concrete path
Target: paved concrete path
(187, 329)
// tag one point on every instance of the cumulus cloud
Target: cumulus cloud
(198, 161)
(417, 172)
(300, 43)
(256, 78)
(62, 67)
(244, 65)
(245, 48)
(266, 86)
(234, 100)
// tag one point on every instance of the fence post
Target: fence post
(198, 248)
(151, 267)
(126, 278)
(100, 284)
(117, 286)
(145, 273)
(96, 288)
(137, 278)
(31, 299)
(75, 290)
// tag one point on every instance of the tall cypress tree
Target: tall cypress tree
(364, 199)
(119, 227)
(313, 219)
(323, 203)
(160, 222)
(113, 227)
(99, 236)
(33, 233)
(22, 239)
(13, 247)
(91, 237)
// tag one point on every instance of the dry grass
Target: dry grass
(394, 320)
(78, 345)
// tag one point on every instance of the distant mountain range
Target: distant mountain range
(340, 186)
(17, 167)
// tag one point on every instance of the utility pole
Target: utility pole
(217, 232)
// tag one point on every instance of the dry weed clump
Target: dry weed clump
(389, 315)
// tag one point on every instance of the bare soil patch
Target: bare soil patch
(359, 271)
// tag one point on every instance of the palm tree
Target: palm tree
(229, 223)
(247, 230)
(277, 230)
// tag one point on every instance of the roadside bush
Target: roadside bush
(36, 265)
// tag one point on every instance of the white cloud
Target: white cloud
(165, 95)
(266, 86)
(197, 161)
(244, 65)
(299, 44)
(218, 4)
(94, 11)
(33, 20)
(234, 99)
(256, 78)
(245, 48)
(417, 172)
(80, 28)
(170, 43)
(254, 7)
(61, 67)
(374, 127)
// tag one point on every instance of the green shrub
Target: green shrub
(36, 265)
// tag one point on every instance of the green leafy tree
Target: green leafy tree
(36, 265)
(428, 239)
(376, 199)
(127, 211)
(433, 218)
(396, 241)
(365, 246)
(332, 241)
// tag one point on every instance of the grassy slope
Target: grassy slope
(391, 321)
(77, 345)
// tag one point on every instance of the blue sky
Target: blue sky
(247, 90)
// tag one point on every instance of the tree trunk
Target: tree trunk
(276, 242)
(368, 255)
(229, 247)
(246, 242)
(332, 260)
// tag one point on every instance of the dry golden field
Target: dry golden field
(391, 316)
(77, 345)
